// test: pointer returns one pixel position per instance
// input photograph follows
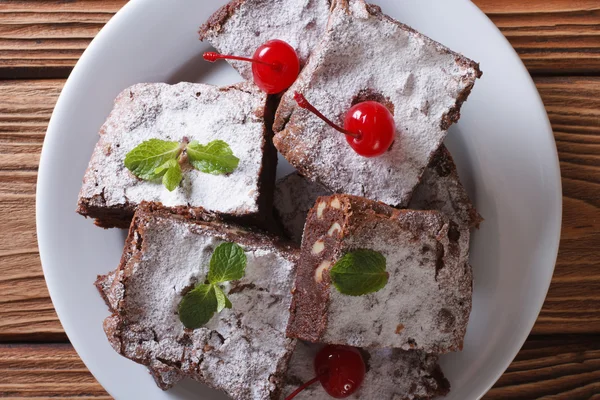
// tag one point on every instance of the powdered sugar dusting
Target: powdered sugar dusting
(426, 302)
(300, 23)
(171, 112)
(422, 81)
(391, 374)
(242, 351)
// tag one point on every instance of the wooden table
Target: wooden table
(559, 41)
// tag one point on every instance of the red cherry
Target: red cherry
(275, 65)
(340, 369)
(375, 125)
(369, 126)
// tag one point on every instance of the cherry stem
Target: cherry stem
(303, 103)
(301, 388)
(211, 56)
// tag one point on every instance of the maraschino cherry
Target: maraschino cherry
(275, 65)
(369, 126)
(340, 369)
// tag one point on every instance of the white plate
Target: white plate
(503, 146)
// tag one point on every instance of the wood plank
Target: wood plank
(560, 367)
(573, 303)
(46, 38)
(552, 367)
(26, 312)
(46, 371)
(25, 109)
(551, 36)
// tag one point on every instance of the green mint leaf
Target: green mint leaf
(172, 174)
(198, 306)
(359, 272)
(144, 159)
(214, 158)
(222, 300)
(228, 263)
(160, 171)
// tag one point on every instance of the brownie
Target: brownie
(186, 111)
(242, 26)
(391, 374)
(440, 189)
(423, 85)
(293, 199)
(242, 351)
(427, 301)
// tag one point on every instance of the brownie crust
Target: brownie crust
(215, 22)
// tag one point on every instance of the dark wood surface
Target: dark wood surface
(559, 41)
(551, 36)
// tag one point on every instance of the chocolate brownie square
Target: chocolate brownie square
(187, 111)
(423, 85)
(426, 303)
(242, 351)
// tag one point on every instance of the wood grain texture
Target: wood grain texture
(573, 302)
(46, 371)
(555, 367)
(26, 312)
(551, 36)
(44, 38)
(552, 367)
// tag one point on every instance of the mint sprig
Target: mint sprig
(222, 300)
(215, 158)
(360, 272)
(228, 263)
(144, 160)
(171, 174)
(197, 307)
(155, 158)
